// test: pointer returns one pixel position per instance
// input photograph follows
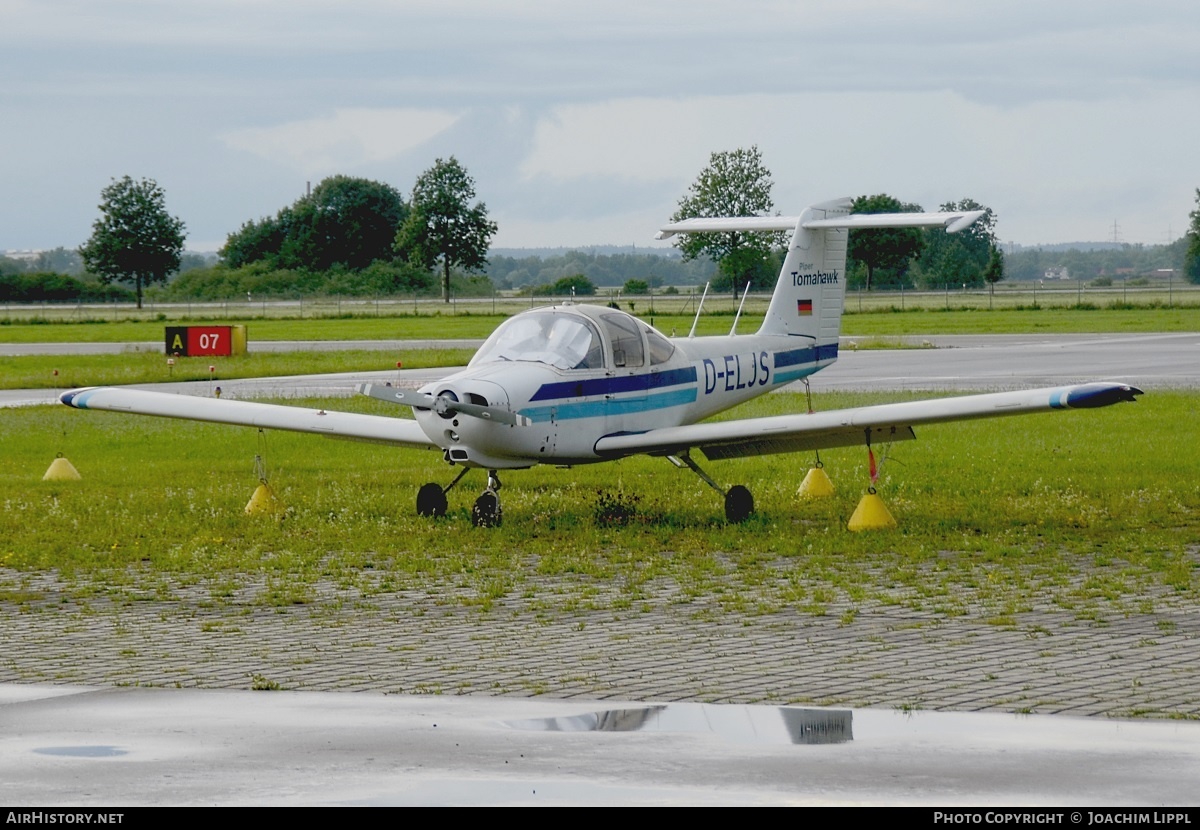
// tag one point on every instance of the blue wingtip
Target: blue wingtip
(74, 397)
(1092, 395)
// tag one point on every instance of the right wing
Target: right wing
(379, 428)
(851, 427)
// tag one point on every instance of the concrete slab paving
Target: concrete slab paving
(130, 746)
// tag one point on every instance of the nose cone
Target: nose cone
(470, 390)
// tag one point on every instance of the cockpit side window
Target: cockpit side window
(660, 347)
(566, 341)
(627, 351)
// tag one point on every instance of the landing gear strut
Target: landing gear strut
(739, 502)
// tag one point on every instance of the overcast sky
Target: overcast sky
(584, 123)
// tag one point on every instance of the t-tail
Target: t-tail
(811, 290)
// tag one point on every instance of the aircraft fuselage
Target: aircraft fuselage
(567, 410)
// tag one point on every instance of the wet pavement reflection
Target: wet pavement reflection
(740, 724)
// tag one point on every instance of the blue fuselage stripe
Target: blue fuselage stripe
(610, 406)
(589, 387)
(796, 357)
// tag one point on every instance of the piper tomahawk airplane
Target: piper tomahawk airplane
(578, 384)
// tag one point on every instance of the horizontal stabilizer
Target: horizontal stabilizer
(953, 221)
(729, 223)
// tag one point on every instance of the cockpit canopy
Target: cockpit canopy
(571, 340)
(566, 341)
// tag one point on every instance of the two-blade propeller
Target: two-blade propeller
(442, 404)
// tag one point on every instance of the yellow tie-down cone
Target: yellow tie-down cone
(61, 469)
(871, 514)
(263, 500)
(816, 484)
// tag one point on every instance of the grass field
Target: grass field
(674, 316)
(1097, 513)
(71, 371)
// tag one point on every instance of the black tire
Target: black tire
(431, 501)
(486, 512)
(739, 504)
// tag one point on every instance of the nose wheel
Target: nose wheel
(486, 511)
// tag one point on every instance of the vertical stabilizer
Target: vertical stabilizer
(811, 289)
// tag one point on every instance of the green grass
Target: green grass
(333, 328)
(1086, 320)
(1094, 513)
(70, 371)
(880, 315)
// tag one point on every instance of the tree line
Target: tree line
(357, 231)
(360, 237)
(1114, 261)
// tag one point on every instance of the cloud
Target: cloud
(1050, 169)
(345, 140)
(1061, 116)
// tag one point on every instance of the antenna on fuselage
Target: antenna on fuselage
(699, 307)
(738, 316)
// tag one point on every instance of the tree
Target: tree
(735, 183)
(884, 252)
(576, 284)
(963, 257)
(993, 271)
(345, 221)
(61, 260)
(135, 239)
(1191, 259)
(442, 225)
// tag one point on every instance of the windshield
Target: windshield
(566, 341)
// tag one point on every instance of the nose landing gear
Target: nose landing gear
(486, 511)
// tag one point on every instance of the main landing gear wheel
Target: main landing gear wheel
(431, 501)
(431, 498)
(739, 504)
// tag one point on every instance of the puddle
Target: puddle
(81, 751)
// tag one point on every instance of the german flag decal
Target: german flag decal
(804, 308)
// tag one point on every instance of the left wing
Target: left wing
(355, 425)
(849, 427)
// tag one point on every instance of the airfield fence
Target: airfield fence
(1064, 294)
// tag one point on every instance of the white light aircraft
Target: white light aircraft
(579, 384)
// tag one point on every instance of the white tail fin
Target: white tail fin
(811, 289)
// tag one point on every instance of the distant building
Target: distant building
(1059, 272)
(22, 256)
